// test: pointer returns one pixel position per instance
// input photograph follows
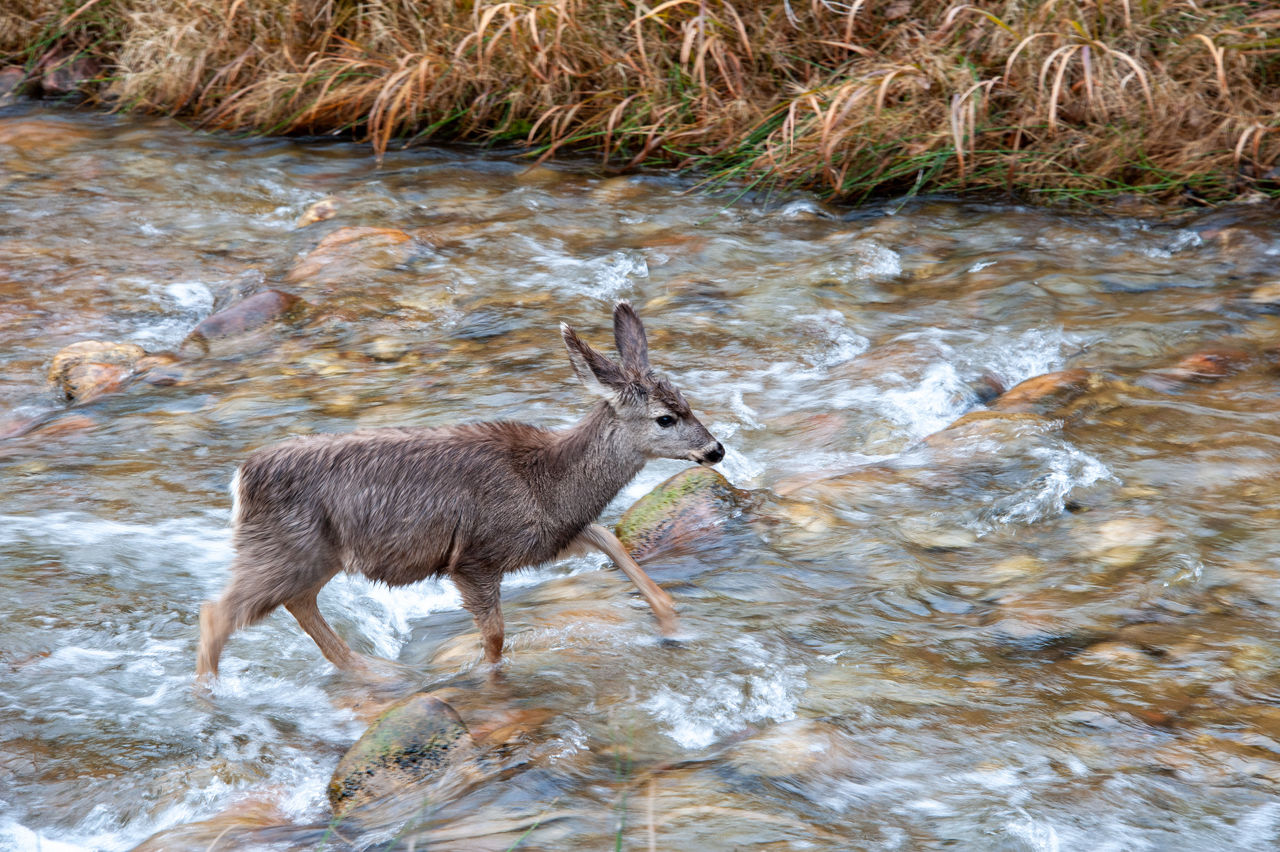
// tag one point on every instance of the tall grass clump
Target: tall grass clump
(851, 98)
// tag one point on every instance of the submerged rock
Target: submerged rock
(325, 208)
(247, 315)
(86, 370)
(408, 744)
(1208, 365)
(1124, 542)
(348, 252)
(689, 506)
(235, 828)
(1041, 394)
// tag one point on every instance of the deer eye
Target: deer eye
(666, 421)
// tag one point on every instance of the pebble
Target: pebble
(325, 208)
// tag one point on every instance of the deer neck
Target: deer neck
(587, 465)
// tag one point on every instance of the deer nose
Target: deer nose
(713, 455)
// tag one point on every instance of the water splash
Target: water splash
(696, 709)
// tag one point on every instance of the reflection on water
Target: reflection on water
(1044, 622)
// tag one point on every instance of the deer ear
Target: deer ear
(597, 373)
(629, 337)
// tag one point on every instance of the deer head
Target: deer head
(650, 410)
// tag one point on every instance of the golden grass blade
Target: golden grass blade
(89, 4)
(1137, 70)
(1224, 91)
(1065, 54)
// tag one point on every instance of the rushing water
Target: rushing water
(1047, 630)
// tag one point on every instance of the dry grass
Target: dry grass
(848, 97)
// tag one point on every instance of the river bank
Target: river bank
(1044, 101)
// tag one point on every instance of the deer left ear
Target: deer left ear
(600, 376)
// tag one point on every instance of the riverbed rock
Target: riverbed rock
(1207, 365)
(795, 747)
(86, 370)
(411, 742)
(1123, 542)
(1265, 297)
(325, 208)
(348, 252)
(234, 828)
(14, 82)
(687, 507)
(248, 315)
(40, 138)
(1041, 394)
(68, 74)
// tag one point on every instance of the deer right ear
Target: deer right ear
(598, 374)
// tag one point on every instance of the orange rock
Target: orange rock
(86, 382)
(1044, 392)
(347, 251)
(155, 360)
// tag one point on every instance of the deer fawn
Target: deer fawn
(470, 502)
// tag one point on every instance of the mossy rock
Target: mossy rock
(410, 742)
(689, 506)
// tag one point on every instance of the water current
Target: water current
(1050, 626)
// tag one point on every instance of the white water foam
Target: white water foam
(1066, 468)
(696, 709)
(606, 277)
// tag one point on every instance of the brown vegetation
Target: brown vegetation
(849, 97)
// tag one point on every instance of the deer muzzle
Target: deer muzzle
(709, 454)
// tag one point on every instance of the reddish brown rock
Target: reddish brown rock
(65, 425)
(41, 137)
(250, 314)
(69, 75)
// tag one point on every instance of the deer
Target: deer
(470, 502)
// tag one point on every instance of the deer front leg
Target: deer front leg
(483, 601)
(659, 601)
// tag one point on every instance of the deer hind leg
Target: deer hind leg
(238, 607)
(483, 601)
(257, 587)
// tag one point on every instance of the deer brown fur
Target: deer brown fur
(469, 502)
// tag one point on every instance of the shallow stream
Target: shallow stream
(1051, 627)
